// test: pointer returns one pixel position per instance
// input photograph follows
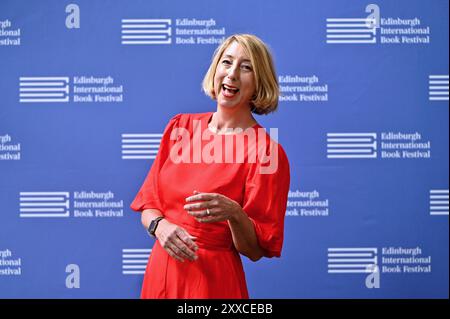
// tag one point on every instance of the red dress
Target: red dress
(218, 271)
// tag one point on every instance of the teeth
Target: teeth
(230, 88)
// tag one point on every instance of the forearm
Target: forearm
(148, 215)
(244, 236)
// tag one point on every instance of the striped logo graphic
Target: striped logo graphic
(140, 146)
(44, 204)
(351, 145)
(43, 89)
(351, 30)
(438, 87)
(134, 261)
(352, 260)
(146, 31)
(439, 202)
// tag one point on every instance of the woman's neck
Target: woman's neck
(225, 118)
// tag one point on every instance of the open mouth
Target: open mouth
(229, 90)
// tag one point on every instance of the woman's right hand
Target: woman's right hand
(176, 241)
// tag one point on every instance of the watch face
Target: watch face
(151, 229)
(153, 225)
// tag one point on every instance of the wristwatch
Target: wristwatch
(152, 228)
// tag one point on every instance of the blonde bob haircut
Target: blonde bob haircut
(265, 99)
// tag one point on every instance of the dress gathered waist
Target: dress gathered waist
(209, 240)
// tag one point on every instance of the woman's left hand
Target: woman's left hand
(212, 207)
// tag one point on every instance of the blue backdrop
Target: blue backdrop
(87, 87)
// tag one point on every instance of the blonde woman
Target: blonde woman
(218, 186)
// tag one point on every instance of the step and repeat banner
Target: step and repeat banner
(87, 88)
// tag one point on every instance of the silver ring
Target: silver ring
(208, 212)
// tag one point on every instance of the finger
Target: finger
(209, 219)
(202, 213)
(188, 239)
(185, 251)
(205, 220)
(215, 215)
(198, 206)
(178, 251)
(173, 254)
(185, 243)
(201, 196)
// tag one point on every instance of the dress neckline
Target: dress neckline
(209, 118)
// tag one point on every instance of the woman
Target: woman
(205, 210)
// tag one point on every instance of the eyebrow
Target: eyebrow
(230, 56)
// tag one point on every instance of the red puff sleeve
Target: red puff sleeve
(265, 203)
(148, 195)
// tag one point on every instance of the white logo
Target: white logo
(351, 30)
(184, 31)
(44, 89)
(352, 260)
(85, 204)
(295, 88)
(8, 150)
(373, 28)
(9, 36)
(392, 145)
(90, 204)
(9, 265)
(73, 279)
(85, 89)
(401, 260)
(439, 202)
(351, 145)
(373, 279)
(140, 146)
(393, 260)
(146, 31)
(44, 204)
(134, 261)
(307, 204)
(354, 30)
(438, 87)
(73, 19)
(355, 261)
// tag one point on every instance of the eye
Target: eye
(247, 67)
(226, 62)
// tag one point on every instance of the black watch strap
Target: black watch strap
(153, 225)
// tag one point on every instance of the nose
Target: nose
(233, 72)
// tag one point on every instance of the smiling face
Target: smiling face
(234, 79)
